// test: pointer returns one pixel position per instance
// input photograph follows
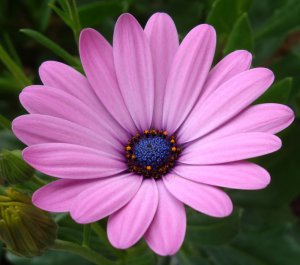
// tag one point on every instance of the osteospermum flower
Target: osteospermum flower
(151, 128)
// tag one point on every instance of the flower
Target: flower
(13, 169)
(150, 129)
(26, 230)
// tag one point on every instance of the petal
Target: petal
(58, 196)
(231, 148)
(166, 233)
(54, 102)
(97, 59)
(231, 65)
(38, 129)
(203, 198)
(126, 226)
(72, 161)
(134, 69)
(270, 118)
(225, 102)
(188, 74)
(236, 175)
(64, 77)
(104, 198)
(163, 37)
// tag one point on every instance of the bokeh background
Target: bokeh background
(264, 228)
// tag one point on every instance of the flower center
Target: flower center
(152, 154)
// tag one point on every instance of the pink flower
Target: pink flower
(195, 126)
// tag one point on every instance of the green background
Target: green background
(264, 228)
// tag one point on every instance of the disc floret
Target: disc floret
(152, 153)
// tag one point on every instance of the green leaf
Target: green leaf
(5, 123)
(49, 258)
(61, 14)
(205, 230)
(14, 68)
(278, 93)
(9, 141)
(13, 169)
(192, 258)
(69, 14)
(71, 231)
(11, 50)
(139, 255)
(274, 246)
(51, 45)
(8, 84)
(94, 13)
(224, 14)
(44, 14)
(241, 36)
(283, 20)
(73, 14)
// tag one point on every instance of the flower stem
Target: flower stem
(86, 235)
(84, 252)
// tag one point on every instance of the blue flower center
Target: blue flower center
(153, 151)
(152, 154)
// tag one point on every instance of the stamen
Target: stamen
(152, 154)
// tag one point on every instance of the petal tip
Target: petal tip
(243, 54)
(79, 218)
(266, 73)
(277, 143)
(86, 33)
(36, 200)
(15, 124)
(290, 115)
(264, 181)
(85, 36)
(25, 155)
(227, 210)
(126, 18)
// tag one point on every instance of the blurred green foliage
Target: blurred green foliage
(264, 229)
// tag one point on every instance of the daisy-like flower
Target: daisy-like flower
(151, 128)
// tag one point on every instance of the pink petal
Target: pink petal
(126, 226)
(64, 77)
(203, 198)
(97, 60)
(166, 233)
(104, 198)
(231, 65)
(236, 175)
(58, 196)
(54, 102)
(134, 69)
(187, 75)
(72, 161)
(163, 37)
(269, 118)
(225, 102)
(38, 129)
(231, 148)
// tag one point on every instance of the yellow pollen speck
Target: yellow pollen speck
(128, 148)
(148, 168)
(174, 149)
